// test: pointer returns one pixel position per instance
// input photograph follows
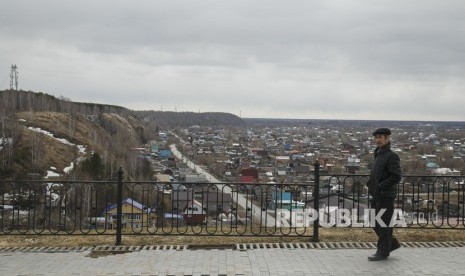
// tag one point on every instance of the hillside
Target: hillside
(21, 101)
(57, 142)
(42, 135)
(49, 136)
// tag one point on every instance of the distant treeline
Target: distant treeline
(185, 119)
(19, 101)
(278, 122)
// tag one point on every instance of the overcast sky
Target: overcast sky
(357, 59)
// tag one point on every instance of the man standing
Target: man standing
(382, 186)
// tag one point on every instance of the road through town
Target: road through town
(257, 214)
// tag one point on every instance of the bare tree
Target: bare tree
(9, 135)
(35, 146)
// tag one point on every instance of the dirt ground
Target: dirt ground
(325, 235)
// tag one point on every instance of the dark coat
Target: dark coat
(385, 174)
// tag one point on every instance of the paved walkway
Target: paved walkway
(405, 261)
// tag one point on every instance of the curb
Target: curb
(240, 247)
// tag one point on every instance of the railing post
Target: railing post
(119, 206)
(316, 200)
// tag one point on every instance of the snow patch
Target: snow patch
(69, 168)
(51, 174)
(81, 149)
(62, 140)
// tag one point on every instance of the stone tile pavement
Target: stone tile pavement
(405, 261)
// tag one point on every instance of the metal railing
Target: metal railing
(226, 209)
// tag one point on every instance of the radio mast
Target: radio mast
(14, 77)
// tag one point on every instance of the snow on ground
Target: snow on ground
(81, 149)
(62, 140)
(69, 168)
(51, 174)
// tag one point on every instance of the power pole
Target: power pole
(14, 77)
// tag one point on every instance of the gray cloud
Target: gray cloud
(303, 59)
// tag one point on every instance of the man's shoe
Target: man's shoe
(395, 246)
(377, 257)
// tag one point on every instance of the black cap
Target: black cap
(382, 131)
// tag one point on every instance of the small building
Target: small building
(164, 178)
(154, 148)
(302, 170)
(446, 171)
(353, 164)
(134, 214)
(163, 135)
(280, 160)
(283, 200)
(195, 178)
(329, 203)
(250, 172)
(180, 198)
(216, 202)
(194, 213)
(165, 153)
(211, 201)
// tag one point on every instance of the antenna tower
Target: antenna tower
(14, 77)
